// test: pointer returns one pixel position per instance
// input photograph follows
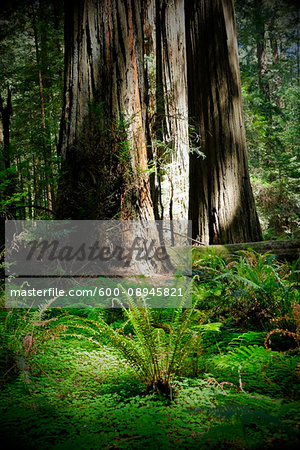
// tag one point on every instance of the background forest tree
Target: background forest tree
(153, 168)
(269, 62)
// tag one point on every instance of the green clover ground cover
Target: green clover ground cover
(72, 388)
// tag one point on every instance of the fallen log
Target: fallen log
(289, 250)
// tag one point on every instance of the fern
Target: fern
(241, 355)
(157, 350)
(246, 339)
(254, 289)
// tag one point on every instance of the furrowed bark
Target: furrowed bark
(166, 50)
(221, 201)
(103, 138)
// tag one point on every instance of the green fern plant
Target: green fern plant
(253, 289)
(159, 351)
(259, 370)
(162, 343)
(247, 339)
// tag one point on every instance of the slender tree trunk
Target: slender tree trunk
(6, 113)
(45, 137)
(221, 201)
(298, 49)
(57, 14)
(276, 55)
(29, 196)
(104, 138)
(37, 190)
(261, 51)
(261, 47)
(21, 210)
(5, 164)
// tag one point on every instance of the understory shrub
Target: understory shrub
(253, 290)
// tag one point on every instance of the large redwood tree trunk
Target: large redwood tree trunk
(221, 201)
(106, 132)
(103, 142)
(167, 80)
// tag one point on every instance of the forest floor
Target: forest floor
(66, 391)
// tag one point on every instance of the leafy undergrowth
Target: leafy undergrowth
(66, 388)
(72, 396)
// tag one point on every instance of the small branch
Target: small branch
(47, 306)
(240, 381)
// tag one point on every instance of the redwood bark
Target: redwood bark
(104, 133)
(167, 80)
(222, 207)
